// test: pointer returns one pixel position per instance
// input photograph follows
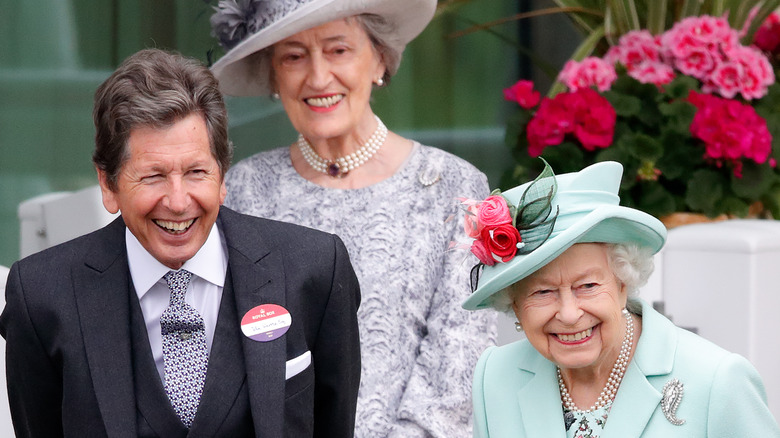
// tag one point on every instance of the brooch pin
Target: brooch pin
(429, 176)
(672, 395)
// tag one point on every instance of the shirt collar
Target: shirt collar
(209, 263)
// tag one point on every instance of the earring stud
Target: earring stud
(380, 82)
(276, 96)
(518, 326)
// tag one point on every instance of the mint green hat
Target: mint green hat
(588, 210)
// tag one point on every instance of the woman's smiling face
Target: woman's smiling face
(571, 309)
(324, 76)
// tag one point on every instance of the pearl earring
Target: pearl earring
(276, 96)
(518, 326)
(380, 82)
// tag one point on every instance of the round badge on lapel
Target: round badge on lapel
(266, 322)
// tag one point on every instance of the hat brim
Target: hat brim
(239, 76)
(605, 224)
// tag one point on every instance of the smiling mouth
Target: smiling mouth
(575, 336)
(324, 102)
(174, 227)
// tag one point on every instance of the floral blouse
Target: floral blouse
(586, 424)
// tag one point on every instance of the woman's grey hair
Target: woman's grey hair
(381, 33)
(155, 88)
(632, 265)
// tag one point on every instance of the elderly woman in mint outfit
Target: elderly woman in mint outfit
(567, 260)
(391, 199)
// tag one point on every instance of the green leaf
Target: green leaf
(678, 116)
(756, 180)
(654, 199)
(644, 147)
(625, 105)
(656, 16)
(704, 190)
(565, 157)
(692, 7)
(680, 87)
(730, 205)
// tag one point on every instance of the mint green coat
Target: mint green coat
(516, 390)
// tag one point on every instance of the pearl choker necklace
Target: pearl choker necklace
(615, 377)
(341, 166)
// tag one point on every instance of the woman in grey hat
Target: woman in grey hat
(562, 256)
(389, 198)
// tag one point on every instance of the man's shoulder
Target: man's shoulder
(110, 237)
(97, 250)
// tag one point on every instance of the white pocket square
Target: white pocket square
(294, 366)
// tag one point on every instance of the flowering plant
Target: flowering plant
(502, 230)
(690, 113)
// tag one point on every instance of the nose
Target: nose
(319, 72)
(178, 197)
(569, 311)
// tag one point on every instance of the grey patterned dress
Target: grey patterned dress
(419, 348)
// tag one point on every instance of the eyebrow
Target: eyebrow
(543, 281)
(294, 43)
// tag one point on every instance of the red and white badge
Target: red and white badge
(266, 322)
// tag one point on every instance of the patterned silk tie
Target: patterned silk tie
(184, 349)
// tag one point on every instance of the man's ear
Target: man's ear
(110, 201)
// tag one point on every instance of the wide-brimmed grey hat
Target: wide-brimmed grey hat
(588, 211)
(247, 26)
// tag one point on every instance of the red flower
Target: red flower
(594, 119)
(730, 130)
(584, 113)
(550, 124)
(523, 93)
(767, 36)
(501, 241)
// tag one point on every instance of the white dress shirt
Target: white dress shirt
(208, 266)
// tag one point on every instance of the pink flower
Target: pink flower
(591, 72)
(696, 45)
(725, 79)
(634, 48)
(523, 93)
(493, 211)
(501, 241)
(697, 62)
(479, 249)
(756, 74)
(652, 72)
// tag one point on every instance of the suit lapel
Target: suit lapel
(540, 397)
(101, 288)
(257, 277)
(637, 399)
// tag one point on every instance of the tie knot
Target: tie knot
(177, 283)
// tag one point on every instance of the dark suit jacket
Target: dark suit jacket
(70, 359)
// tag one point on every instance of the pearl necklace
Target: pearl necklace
(341, 166)
(615, 377)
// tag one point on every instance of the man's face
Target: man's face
(169, 190)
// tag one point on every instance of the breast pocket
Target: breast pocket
(299, 374)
